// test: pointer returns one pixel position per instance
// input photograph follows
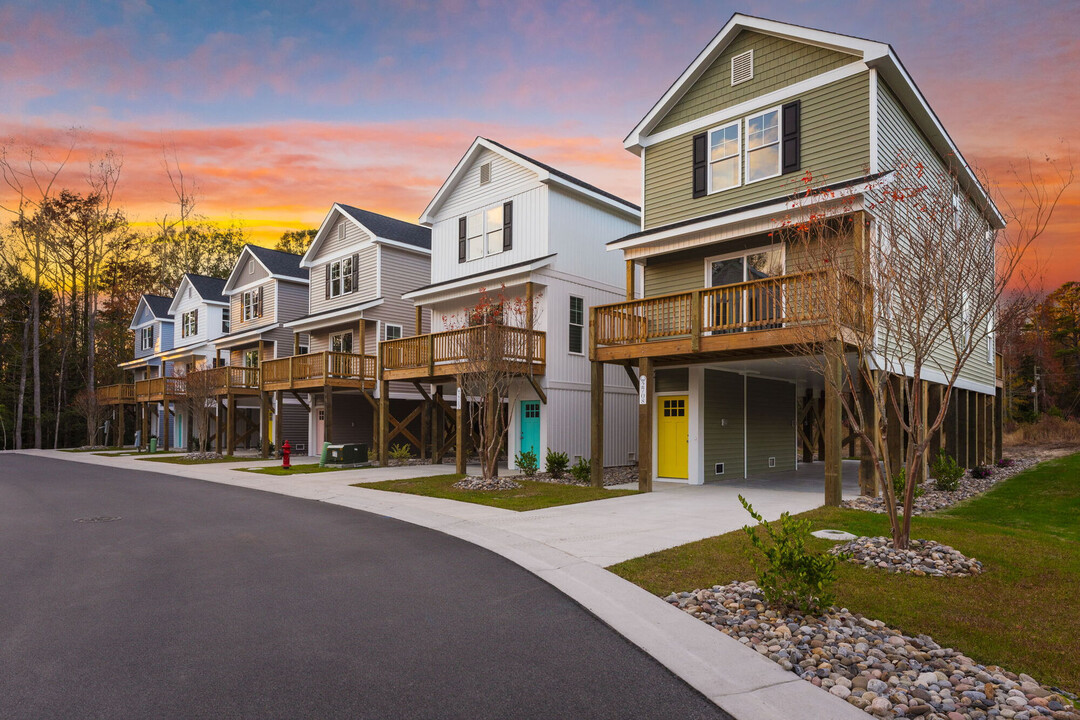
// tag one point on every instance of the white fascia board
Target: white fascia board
(471, 284)
(890, 67)
(625, 210)
(790, 92)
(226, 341)
(333, 318)
(867, 49)
(427, 217)
(185, 350)
(228, 290)
(316, 242)
(178, 295)
(403, 246)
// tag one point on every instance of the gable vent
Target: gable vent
(485, 173)
(742, 67)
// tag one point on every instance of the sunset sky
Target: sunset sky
(277, 110)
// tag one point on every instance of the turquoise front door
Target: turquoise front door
(530, 426)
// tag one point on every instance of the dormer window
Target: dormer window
(146, 338)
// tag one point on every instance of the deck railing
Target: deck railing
(459, 346)
(756, 305)
(158, 388)
(326, 366)
(225, 379)
(113, 394)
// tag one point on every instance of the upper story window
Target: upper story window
(724, 161)
(252, 304)
(763, 145)
(392, 332)
(341, 277)
(487, 232)
(146, 338)
(225, 320)
(577, 325)
(189, 323)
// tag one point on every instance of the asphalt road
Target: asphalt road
(209, 601)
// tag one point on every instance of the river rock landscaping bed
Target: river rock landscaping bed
(612, 476)
(934, 499)
(479, 483)
(922, 558)
(871, 666)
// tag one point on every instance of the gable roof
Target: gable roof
(546, 173)
(873, 54)
(380, 227)
(279, 265)
(210, 289)
(158, 305)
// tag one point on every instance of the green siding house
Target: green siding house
(721, 395)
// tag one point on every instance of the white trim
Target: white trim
(386, 326)
(231, 341)
(570, 323)
(875, 162)
(478, 280)
(312, 253)
(641, 216)
(737, 124)
(695, 417)
(378, 271)
(779, 143)
(788, 92)
(332, 318)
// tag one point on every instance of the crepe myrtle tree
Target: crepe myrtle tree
(197, 400)
(906, 281)
(496, 342)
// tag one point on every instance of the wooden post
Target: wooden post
(596, 438)
(419, 310)
(695, 321)
(264, 424)
(219, 427)
(328, 415)
(384, 421)
(217, 358)
(972, 428)
(120, 425)
(833, 430)
(932, 409)
(821, 427)
(645, 424)
(529, 320)
(425, 427)
(868, 477)
(438, 427)
(145, 418)
(924, 419)
(165, 435)
(999, 406)
(459, 441)
(808, 426)
(948, 429)
(296, 343)
(361, 344)
(279, 425)
(961, 427)
(230, 420)
(629, 280)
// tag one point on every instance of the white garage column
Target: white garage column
(695, 426)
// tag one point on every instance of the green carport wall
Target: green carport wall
(724, 427)
(770, 425)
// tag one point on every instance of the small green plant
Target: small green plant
(582, 470)
(899, 485)
(789, 575)
(526, 462)
(555, 463)
(947, 472)
(400, 452)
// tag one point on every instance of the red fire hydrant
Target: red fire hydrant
(286, 450)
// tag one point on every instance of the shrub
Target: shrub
(582, 470)
(555, 463)
(526, 461)
(400, 452)
(1005, 462)
(789, 575)
(981, 471)
(899, 486)
(947, 472)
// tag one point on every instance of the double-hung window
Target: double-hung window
(484, 233)
(189, 323)
(577, 325)
(341, 277)
(225, 320)
(724, 166)
(341, 342)
(252, 306)
(763, 145)
(146, 338)
(251, 358)
(392, 332)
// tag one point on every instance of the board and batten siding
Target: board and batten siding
(777, 63)
(567, 422)
(899, 139)
(580, 230)
(723, 436)
(770, 425)
(509, 181)
(835, 143)
(356, 241)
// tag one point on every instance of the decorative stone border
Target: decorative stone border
(871, 666)
(922, 558)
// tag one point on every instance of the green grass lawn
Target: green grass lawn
(93, 450)
(534, 496)
(181, 460)
(294, 470)
(1023, 613)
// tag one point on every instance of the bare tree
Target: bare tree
(198, 401)
(905, 292)
(87, 405)
(495, 342)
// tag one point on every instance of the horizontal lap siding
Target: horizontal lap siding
(333, 249)
(674, 380)
(777, 63)
(723, 434)
(292, 301)
(835, 143)
(402, 271)
(770, 420)
(236, 309)
(684, 271)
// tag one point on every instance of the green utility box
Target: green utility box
(347, 455)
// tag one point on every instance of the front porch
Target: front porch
(442, 356)
(320, 370)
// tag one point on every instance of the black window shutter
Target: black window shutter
(260, 302)
(328, 281)
(792, 145)
(355, 271)
(701, 164)
(508, 225)
(461, 240)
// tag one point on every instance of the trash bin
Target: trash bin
(153, 444)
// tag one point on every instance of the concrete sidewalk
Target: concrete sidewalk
(568, 546)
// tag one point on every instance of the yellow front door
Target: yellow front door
(671, 442)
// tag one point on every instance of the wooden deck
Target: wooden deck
(230, 379)
(159, 389)
(757, 318)
(444, 355)
(121, 394)
(322, 369)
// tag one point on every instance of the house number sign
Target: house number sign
(641, 390)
